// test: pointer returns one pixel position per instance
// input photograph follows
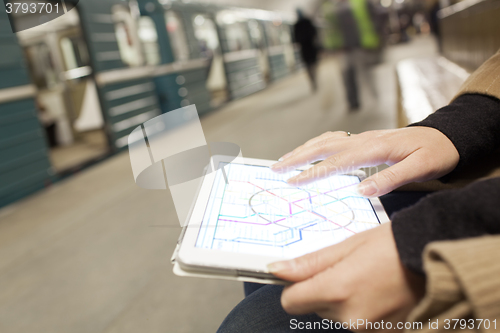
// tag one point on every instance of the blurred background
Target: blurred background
(82, 248)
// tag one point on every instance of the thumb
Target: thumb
(306, 266)
(413, 168)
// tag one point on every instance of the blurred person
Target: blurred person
(358, 24)
(306, 35)
(434, 19)
(438, 260)
(419, 23)
(404, 24)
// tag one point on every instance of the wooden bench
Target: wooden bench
(424, 86)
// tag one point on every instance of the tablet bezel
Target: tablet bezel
(232, 262)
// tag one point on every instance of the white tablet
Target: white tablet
(250, 217)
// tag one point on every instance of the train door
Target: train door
(257, 35)
(127, 36)
(207, 38)
(67, 99)
(276, 40)
(177, 35)
(240, 54)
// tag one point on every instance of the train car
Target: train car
(91, 78)
(241, 53)
(76, 88)
(80, 83)
(210, 54)
(257, 48)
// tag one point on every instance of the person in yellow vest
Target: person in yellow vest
(357, 24)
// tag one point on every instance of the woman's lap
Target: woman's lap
(261, 312)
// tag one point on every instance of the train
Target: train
(74, 88)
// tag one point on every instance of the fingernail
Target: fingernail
(367, 188)
(284, 157)
(281, 266)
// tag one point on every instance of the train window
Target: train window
(273, 30)
(74, 52)
(126, 35)
(237, 36)
(256, 33)
(149, 38)
(177, 35)
(236, 30)
(206, 34)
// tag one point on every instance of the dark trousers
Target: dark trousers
(351, 87)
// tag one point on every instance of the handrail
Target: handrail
(180, 66)
(123, 74)
(17, 93)
(142, 72)
(240, 55)
(77, 73)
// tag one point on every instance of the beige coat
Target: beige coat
(464, 276)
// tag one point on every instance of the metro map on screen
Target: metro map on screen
(257, 212)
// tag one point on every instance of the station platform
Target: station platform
(91, 253)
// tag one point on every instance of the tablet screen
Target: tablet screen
(257, 212)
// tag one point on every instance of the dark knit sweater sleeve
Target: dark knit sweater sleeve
(472, 123)
(446, 215)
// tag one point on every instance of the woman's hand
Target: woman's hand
(413, 153)
(361, 278)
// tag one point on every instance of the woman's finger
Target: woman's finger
(316, 151)
(343, 162)
(414, 167)
(306, 266)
